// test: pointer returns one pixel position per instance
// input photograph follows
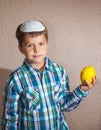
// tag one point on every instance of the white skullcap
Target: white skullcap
(32, 26)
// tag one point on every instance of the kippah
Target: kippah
(32, 26)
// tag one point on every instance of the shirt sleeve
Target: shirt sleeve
(10, 110)
(70, 100)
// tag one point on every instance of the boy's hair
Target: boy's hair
(21, 35)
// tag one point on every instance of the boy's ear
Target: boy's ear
(20, 49)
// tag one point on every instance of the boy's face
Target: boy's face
(34, 49)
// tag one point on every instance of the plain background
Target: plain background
(74, 41)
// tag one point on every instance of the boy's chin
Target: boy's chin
(35, 62)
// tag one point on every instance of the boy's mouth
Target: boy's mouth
(37, 56)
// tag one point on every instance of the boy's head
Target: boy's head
(33, 42)
(33, 28)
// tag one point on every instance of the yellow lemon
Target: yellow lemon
(87, 73)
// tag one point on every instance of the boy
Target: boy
(37, 93)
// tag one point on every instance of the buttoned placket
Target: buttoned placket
(44, 92)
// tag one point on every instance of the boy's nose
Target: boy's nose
(36, 49)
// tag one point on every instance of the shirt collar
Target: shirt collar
(48, 65)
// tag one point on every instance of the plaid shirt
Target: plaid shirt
(35, 100)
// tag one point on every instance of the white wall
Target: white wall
(74, 41)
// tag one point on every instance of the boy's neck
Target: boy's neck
(39, 67)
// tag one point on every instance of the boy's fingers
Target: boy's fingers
(94, 81)
(89, 84)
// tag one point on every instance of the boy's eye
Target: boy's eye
(41, 44)
(29, 46)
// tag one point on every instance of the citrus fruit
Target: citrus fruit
(87, 73)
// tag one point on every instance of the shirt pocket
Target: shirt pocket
(30, 99)
(57, 91)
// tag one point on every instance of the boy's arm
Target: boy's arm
(10, 110)
(70, 100)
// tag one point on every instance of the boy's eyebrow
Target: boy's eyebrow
(25, 43)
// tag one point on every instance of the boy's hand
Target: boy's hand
(88, 85)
